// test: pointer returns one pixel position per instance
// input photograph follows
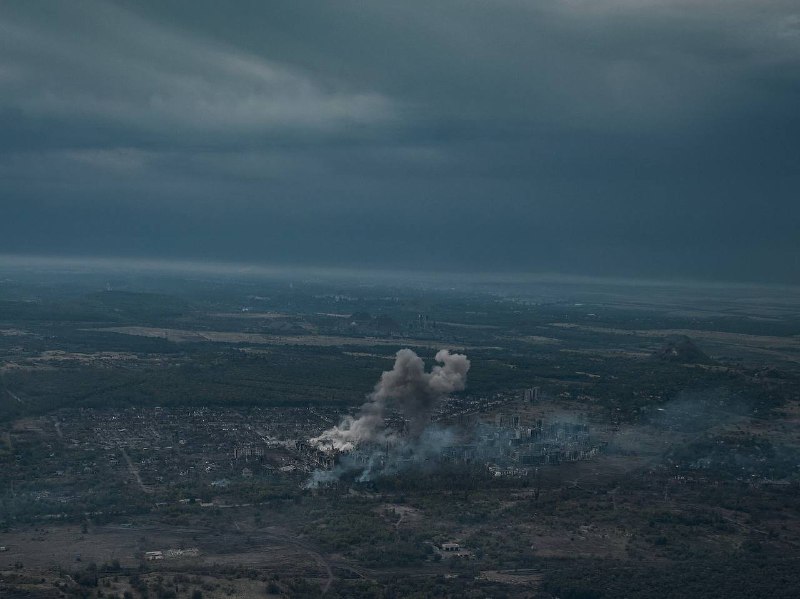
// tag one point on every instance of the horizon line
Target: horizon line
(256, 269)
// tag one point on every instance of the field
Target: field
(157, 414)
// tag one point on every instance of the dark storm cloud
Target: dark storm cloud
(621, 136)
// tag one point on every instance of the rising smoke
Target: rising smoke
(407, 388)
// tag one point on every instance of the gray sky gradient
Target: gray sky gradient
(619, 137)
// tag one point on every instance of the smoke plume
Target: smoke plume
(406, 387)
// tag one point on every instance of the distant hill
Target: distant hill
(681, 349)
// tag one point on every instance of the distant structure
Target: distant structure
(507, 420)
(681, 349)
(530, 395)
(508, 448)
(248, 452)
(452, 549)
(325, 460)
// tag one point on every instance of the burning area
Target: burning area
(364, 442)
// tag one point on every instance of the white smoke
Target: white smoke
(406, 387)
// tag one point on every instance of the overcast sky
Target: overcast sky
(654, 138)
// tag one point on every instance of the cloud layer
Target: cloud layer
(595, 137)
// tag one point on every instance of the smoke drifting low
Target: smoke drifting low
(406, 387)
(399, 454)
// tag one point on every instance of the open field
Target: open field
(187, 336)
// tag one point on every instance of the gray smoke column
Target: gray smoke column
(406, 387)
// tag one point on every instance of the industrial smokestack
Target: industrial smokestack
(406, 387)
